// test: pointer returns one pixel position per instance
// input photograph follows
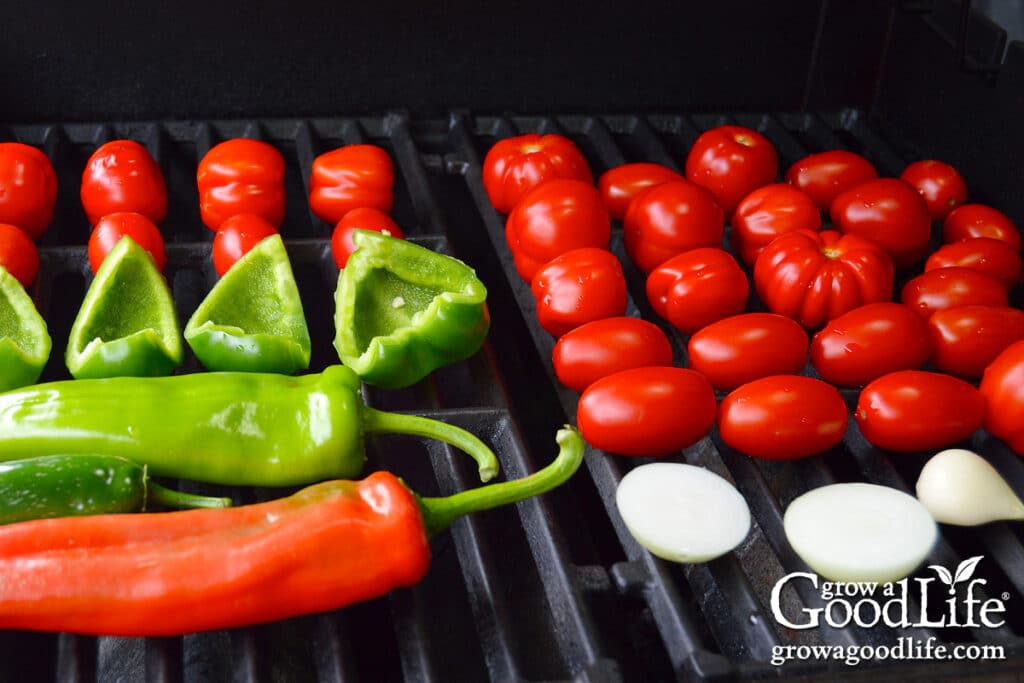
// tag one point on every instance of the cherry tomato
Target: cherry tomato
(978, 220)
(603, 347)
(236, 237)
(870, 341)
(669, 219)
(742, 348)
(939, 183)
(620, 185)
(349, 178)
(120, 177)
(18, 254)
(698, 287)
(826, 175)
(890, 213)
(968, 338)
(948, 287)
(109, 230)
(814, 277)
(28, 188)
(556, 217)
(359, 219)
(241, 176)
(913, 410)
(577, 287)
(768, 212)
(988, 256)
(1002, 387)
(731, 162)
(514, 166)
(649, 411)
(783, 417)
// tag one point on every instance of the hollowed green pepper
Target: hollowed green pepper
(24, 340)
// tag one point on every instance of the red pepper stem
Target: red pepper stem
(380, 422)
(159, 495)
(439, 513)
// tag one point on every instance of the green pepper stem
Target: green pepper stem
(159, 495)
(380, 422)
(439, 513)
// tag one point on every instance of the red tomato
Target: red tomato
(968, 338)
(620, 185)
(698, 287)
(28, 188)
(913, 410)
(556, 217)
(870, 341)
(236, 237)
(514, 166)
(731, 162)
(948, 287)
(742, 348)
(814, 277)
(986, 255)
(1002, 387)
(18, 254)
(978, 220)
(669, 219)
(890, 213)
(940, 184)
(603, 347)
(119, 177)
(241, 176)
(578, 287)
(650, 411)
(111, 228)
(783, 417)
(360, 219)
(826, 175)
(348, 178)
(768, 212)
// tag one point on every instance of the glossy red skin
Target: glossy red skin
(1002, 387)
(870, 341)
(914, 410)
(236, 237)
(698, 287)
(109, 230)
(941, 185)
(890, 213)
(620, 185)
(814, 277)
(18, 254)
(359, 219)
(28, 188)
(121, 176)
(241, 176)
(603, 347)
(731, 162)
(783, 417)
(768, 212)
(649, 411)
(348, 178)
(578, 287)
(669, 219)
(826, 175)
(978, 220)
(516, 165)
(988, 256)
(745, 347)
(948, 287)
(556, 217)
(967, 338)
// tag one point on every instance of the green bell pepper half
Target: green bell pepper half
(24, 341)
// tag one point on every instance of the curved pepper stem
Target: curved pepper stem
(439, 513)
(159, 495)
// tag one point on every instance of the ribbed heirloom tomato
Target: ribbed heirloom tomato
(768, 212)
(577, 287)
(939, 183)
(348, 178)
(826, 175)
(603, 347)
(359, 219)
(28, 188)
(890, 213)
(516, 165)
(1002, 386)
(988, 256)
(18, 254)
(236, 237)
(668, 219)
(698, 287)
(731, 162)
(121, 176)
(978, 220)
(948, 287)
(967, 338)
(111, 228)
(745, 347)
(241, 176)
(620, 185)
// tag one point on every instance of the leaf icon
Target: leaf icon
(966, 568)
(943, 573)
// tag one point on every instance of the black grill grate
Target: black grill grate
(554, 588)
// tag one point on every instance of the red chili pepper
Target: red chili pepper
(241, 176)
(351, 177)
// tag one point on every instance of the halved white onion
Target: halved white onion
(960, 487)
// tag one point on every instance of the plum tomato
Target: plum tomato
(236, 237)
(603, 347)
(363, 218)
(698, 287)
(731, 162)
(825, 175)
(668, 219)
(28, 188)
(939, 183)
(516, 165)
(577, 287)
(890, 213)
(1002, 387)
(620, 185)
(768, 212)
(121, 176)
(936, 290)
(967, 338)
(988, 256)
(18, 254)
(979, 220)
(111, 228)
(745, 347)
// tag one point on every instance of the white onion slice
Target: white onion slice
(960, 487)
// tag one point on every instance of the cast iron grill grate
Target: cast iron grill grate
(551, 589)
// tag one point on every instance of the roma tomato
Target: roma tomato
(870, 341)
(948, 287)
(988, 256)
(28, 188)
(649, 411)
(731, 162)
(783, 417)
(968, 338)
(890, 213)
(978, 220)
(698, 287)
(236, 237)
(768, 212)
(18, 254)
(578, 287)
(359, 219)
(826, 175)
(939, 183)
(348, 178)
(241, 176)
(109, 230)
(603, 347)
(913, 410)
(516, 165)
(620, 185)
(120, 177)
(669, 219)
(1002, 387)
(556, 217)
(814, 277)
(742, 348)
